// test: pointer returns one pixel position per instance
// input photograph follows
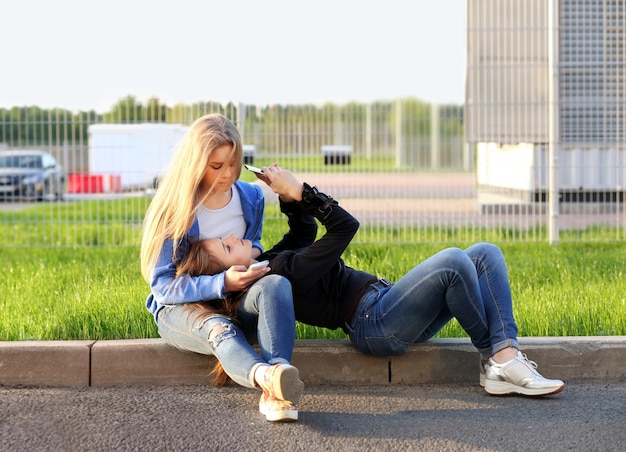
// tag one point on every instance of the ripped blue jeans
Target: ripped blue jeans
(266, 317)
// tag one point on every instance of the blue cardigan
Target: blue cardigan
(168, 290)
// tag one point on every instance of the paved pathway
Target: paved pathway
(586, 416)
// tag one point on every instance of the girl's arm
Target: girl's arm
(316, 259)
(326, 252)
(302, 228)
(168, 289)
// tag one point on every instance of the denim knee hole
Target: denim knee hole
(220, 333)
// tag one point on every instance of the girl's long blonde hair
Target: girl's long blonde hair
(173, 209)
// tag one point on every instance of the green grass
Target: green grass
(75, 224)
(573, 289)
(71, 271)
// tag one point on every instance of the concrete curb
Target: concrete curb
(153, 361)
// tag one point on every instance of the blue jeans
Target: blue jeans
(265, 316)
(470, 285)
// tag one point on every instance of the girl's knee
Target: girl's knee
(270, 292)
(278, 289)
(457, 261)
(453, 256)
(275, 283)
(485, 248)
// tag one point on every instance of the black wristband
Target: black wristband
(319, 203)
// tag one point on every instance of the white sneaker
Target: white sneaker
(282, 382)
(484, 364)
(518, 376)
(276, 410)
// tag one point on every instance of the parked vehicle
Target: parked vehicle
(31, 175)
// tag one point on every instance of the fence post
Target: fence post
(398, 133)
(434, 136)
(368, 131)
(553, 121)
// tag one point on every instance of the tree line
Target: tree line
(36, 126)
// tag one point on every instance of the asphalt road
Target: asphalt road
(586, 416)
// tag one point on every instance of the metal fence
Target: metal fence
(403, 168)
(536, 153)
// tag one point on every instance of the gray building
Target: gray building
(524, 57)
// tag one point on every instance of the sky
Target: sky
(86, 55)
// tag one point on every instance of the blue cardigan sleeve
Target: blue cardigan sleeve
(253, 206)
(166, 289)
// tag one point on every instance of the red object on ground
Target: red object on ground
(94, 183)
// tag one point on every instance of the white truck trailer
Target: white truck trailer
(137, 153)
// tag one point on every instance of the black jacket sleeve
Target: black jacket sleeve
(303, 266)
(302, 229)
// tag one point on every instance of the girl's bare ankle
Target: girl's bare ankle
(504, 355)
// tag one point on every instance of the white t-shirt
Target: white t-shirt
(222, 222)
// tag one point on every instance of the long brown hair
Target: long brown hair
(199, 261)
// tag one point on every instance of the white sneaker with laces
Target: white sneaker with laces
(518, 376)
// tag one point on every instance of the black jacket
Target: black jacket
(325, 290)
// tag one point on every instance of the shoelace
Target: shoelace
(532, 365)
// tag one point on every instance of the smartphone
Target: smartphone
(258, 265)
(254, 169)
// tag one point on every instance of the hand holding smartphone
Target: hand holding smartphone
(255, 170)
(259, 265)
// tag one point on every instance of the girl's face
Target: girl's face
(222, 170)
(230, 251)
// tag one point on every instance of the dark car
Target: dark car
(31, 175)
